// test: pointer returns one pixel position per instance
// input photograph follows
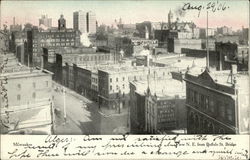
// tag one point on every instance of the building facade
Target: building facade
(51, 38)
(114, 83)
(91, 22)
(217, 102)
(27, 99)
(80, 21)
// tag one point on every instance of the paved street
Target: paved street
(85, 119)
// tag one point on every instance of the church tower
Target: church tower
(61, 23)
(170, 19)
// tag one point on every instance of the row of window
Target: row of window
(19, 96)
(224, 109)
(117, 87)
(200, 125)
(57, 40)
(57, 44)
(19, 86)
(89, 58)
(57, 35)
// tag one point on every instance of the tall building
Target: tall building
(26, 98)
(80, 21)
(44, 20)
(91, 22)
(217, 102)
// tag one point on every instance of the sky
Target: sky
(235, 15)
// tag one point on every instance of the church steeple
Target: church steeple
(61, 23)
(170, 18)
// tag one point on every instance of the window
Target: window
(19, 86)
(221, 109)
(196, 97)
(123, 78)
(18, 97)
(110, 87)
(110, 79)
(117, 88)
(221, 131)
(206, 102)
(34, 84)
(123, 86)
(229, 112)
(211, 105)
(192, 95)
(34, 95)
(202, 100)
(116, 79)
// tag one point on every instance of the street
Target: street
(83, 116)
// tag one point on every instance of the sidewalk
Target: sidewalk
(112, 112)
(105, 112)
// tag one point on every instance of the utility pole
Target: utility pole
(64, 105)
(207, 45)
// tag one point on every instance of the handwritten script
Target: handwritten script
(210, 6)
(143, 146)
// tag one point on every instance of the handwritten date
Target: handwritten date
(210, 6)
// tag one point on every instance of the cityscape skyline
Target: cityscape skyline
(149, 11)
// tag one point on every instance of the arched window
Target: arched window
(221, 131)
(197, 124)
(210, 128)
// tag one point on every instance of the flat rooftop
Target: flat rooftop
(183, 62)
(13, 69)
(113, 69)
(163, 88)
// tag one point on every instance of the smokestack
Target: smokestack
(14, 23)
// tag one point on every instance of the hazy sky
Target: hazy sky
(235, 15)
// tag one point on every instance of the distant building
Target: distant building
(91, 22)
(15, 27)
(26, 101)
(80, 21)
(157, 106)
(225, 30)
(203, 32)
(217, 102)
(44, 20)
(61, 23)
(51, 38)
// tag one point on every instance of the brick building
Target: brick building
(52, 38)
(217, 102)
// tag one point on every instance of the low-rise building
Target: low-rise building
(26, 99)
(157, 106)
(114, 82)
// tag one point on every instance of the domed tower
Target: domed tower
(61, 23)
(170, 19)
